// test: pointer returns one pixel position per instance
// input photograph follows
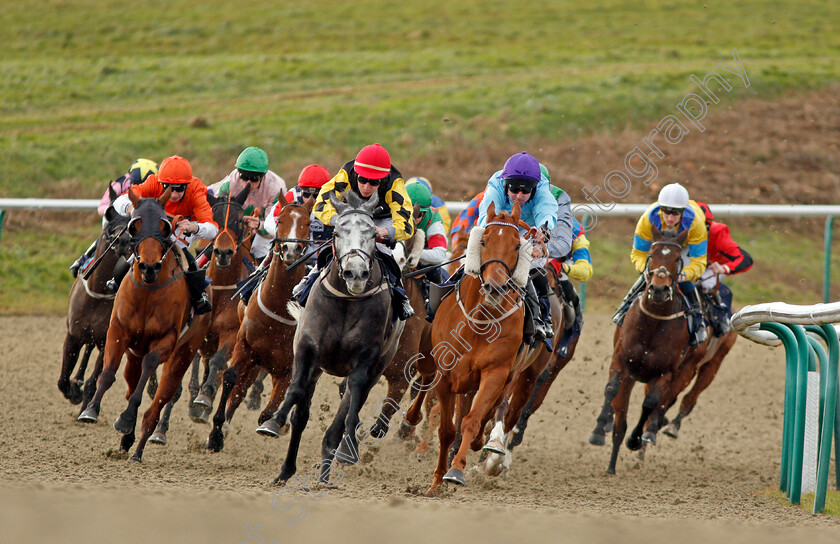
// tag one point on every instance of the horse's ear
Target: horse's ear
(164, 198)
(135, 200)
(352, 198)
(657, 234)
(281, 199)
(516, 212)
(370, 205)
(491, 211)
(134, 226)
(242, 196)
(682, 237)
(340, 207)
(112, 194)
(211, 199)
(309, 204)
(165, 228)
(110, 214)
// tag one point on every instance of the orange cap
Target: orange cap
(175, 169)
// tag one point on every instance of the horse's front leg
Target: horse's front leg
(653, 403)
(115, 346)
(620, 403)
(70, 355)
(599, 433)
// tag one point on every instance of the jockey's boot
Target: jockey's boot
(533, 302)
(540, 281)
(300, 292)
(81, 261)
(571, 296)
(402, 306)
(697, 323)
(200, 300)
(718, 313)
(634, 291)
(120, 270)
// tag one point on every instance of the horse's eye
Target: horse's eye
(483, 244)
(518, 246)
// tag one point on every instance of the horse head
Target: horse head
(228, 214)
(115, 233)
(354, 239)
(664, 263)
(149, 229)
(292, 226)
(500, 253)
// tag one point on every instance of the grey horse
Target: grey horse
(347, 329)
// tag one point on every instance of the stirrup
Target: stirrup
(406, 310)
(111, 286)
(202, 305)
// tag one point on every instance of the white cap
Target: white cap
(673, 195)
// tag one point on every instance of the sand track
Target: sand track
(65, 482)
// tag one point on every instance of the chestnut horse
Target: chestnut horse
(264, 339)
(475, 339)
(150, 324)
(89, 310)
(227, 268)
(650, 346)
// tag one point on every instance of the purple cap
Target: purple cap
(522, 166)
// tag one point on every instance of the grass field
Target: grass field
(86, 87)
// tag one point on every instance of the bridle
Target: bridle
(238, 240)
(359, 252)
(662, 270)
(302, 241)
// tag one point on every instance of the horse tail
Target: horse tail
(294, 309)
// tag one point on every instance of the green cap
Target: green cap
(419, 194)
(544, 171)
(253, 159)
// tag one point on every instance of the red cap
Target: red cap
(706, 211)
(175, 169)
(372, 162)
(313, 175)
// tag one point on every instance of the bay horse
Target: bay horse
(264, 338)
(556, 362)
(150, 324)
(227, 267)
(347, 329)
(650, 346)
(89, 309)
(459, 247)
(475, 339)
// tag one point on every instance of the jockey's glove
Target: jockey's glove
(546, 232)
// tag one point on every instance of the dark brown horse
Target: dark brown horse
(150, 324)
(650, 346)
(89, 310)
(475, 339)
(264, 339)
(227, 268)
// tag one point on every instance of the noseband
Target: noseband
(303, 241)
(238, 240)
(662, 269)
(367, 257)
(508, 269)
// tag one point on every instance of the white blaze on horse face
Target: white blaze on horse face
(666, 251)
(290, 249)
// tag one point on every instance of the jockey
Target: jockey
(576, 265)
(725, 258)
(137, 173)
(431, 223)
(310, 181)
(188, 199)
(468, 216)
(252, 168)
(521, 180)
(673, 211)
(371, 172)
(437, 202)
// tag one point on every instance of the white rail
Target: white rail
(746, 322)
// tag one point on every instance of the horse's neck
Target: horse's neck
(279, 282)
(105, 269)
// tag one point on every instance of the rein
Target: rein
(95, 264)
(664, 270)
(158, 286)
(269, 313)
(238, 240)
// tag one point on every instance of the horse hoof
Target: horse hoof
(344, 456)
(199, 413)
(493, 465)
(455, 476)
(123, 426)
(494, 446)
(609, 426)
(215, 442)
(634, 443)
(405, 432)
(270, 428)
(597, 439)
(135, 459)
(671, 430)
(378, 431)
(650, 438)
(75, 394)
(158, 438)
(203, 400)
(89, 415)
(611, 471)
(253, 402)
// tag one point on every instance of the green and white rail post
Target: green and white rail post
(779, 323)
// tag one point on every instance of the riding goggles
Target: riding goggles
(250, 177)
(517, 188)
(176, 187)
(371, 182)
(671, 211)
(310, 194)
